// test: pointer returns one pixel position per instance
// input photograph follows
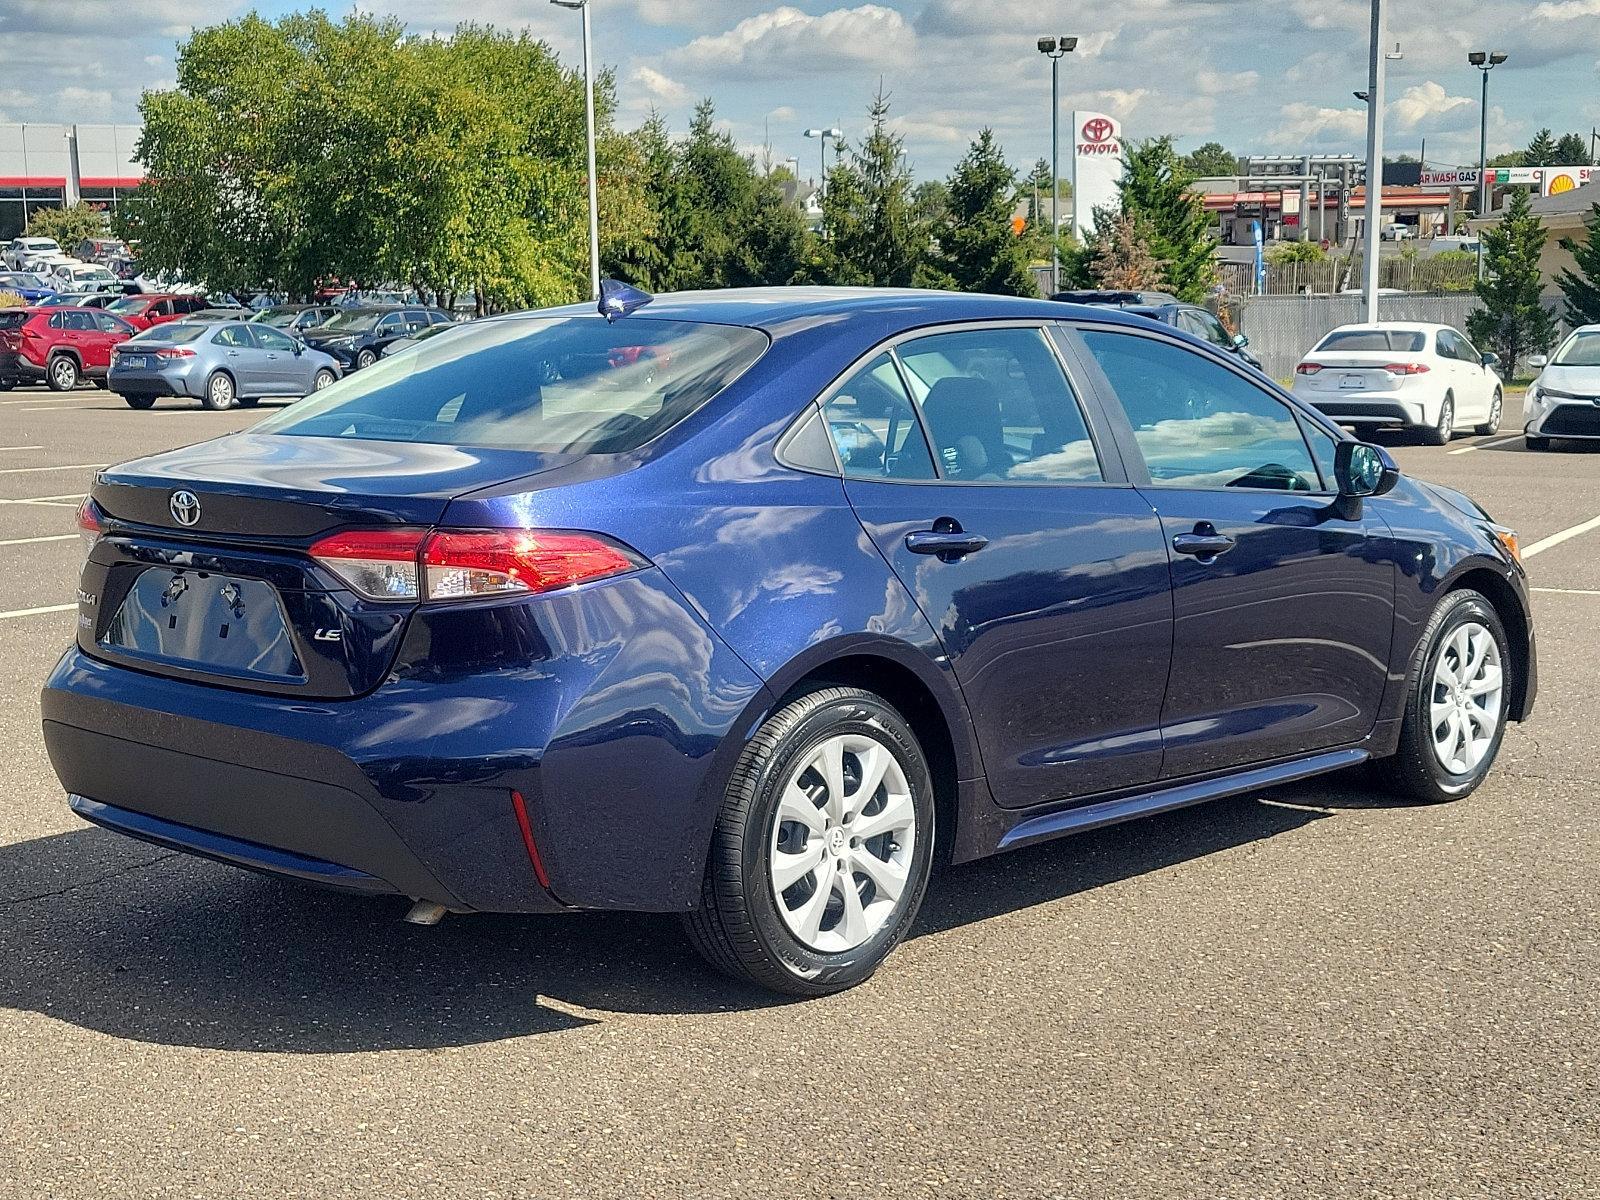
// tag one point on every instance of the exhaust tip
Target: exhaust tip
(425, 912)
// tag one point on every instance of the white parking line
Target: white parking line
(46, 499)
(54, 537)
(51, 399)
(1555, 539)
(10, 448)
(1487, 445)
(70, 467)
(1566, 591)
(33, 612)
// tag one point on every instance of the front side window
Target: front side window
(874, 426)
(270, 339)
(1197, 423)
(999, 408)
(577, 385)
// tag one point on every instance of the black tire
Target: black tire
(738, 927)
(1414, 770)
(323, 379)
(62, 373)
(1496, 411)
(365, 359)
(140, 402)
(220, 393)
(249, 401)
(1534, 442)
(1440, 434)
(7, 384)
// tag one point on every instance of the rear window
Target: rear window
(1408, 341)
(13, 318)
(557, 385)
(173, 331)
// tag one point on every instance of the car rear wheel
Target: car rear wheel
(63, 374)
(219, 395)
(140, 402)
(1441, 433)
(822, 849)
(1456, 704)
(1496, 407)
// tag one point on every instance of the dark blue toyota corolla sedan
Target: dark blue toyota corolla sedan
(748, 605)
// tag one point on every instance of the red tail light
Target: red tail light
(405, 564)
(88, 524)
(1308, 368)
(1411, 368)
(175, 352)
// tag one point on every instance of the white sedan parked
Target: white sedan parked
(1564, 401)
(1406, 375)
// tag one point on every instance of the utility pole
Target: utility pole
(1375, 82)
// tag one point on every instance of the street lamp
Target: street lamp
(1485, 61)
(588, 109)
(1054, 48)
(1375, 83)
(825, 134)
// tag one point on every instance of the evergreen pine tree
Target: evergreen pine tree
(1581, 286)
(1541, 152)
(977, 248)
(1573, 151)
(872, 234)
(1155, 192)
(770, 238)
(1512, 322)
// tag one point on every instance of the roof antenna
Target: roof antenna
(618, 299)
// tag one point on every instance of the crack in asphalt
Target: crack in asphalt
(12, 901)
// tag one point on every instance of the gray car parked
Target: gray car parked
(219, 363)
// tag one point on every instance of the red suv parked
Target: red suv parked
(59, 345)
(155, 308)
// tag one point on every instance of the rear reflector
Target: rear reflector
(1411, 368)
(1308, 368)
(521, 810)
(403, 564)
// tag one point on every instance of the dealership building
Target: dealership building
(48, 166)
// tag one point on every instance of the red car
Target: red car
(62, 346)
(155, 308)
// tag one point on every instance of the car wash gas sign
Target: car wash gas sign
(1096, 166)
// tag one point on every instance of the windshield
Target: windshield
(20, 279)
(278, 318)
(353, 320)
(1580, 350)
(173, 331)
(558, 384)
(1387, 340)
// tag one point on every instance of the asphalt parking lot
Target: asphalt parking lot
(1308, 992)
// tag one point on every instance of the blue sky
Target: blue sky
(1257, 76)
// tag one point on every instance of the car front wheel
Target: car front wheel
(365, 359)
(1459, 695)
(822, 849)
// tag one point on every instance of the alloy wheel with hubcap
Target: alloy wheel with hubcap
(322, 380)
(1440, 434)
(1496, 408)
(1468, 687)
(822, 849)
(63, 373)
(365, 359)
(219, 392)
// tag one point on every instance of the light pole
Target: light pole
(1375, 84)
(823, 135)
(588, 110)
(1485, 61)
(1055, 48)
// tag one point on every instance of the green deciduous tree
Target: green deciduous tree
(1212, 158)
(1154, 191)
(1512, 322)
(1580, 285)
(69, 225)
(1121, 258)
(975, 247)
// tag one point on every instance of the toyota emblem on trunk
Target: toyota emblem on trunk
(185, 506)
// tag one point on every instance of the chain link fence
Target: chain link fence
(1440, 274)
(1282, 328)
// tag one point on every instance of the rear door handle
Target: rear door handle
(1204, 543)
(949, 546)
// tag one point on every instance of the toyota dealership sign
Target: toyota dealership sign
(1096, 166)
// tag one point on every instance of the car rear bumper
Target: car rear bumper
(1367, 408)
(14, 366)
(178, 380)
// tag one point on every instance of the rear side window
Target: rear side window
(1406, 341)
(874, 427)
(556, 384)
(998, 407)
(1199, 425)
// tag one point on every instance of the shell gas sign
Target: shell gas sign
(1096, 166)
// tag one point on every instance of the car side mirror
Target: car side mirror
(1240, 340)
(1490, 359)
(1363, 470)
(1538, 361)
(299, 347)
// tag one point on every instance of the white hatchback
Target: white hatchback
(1403, 375)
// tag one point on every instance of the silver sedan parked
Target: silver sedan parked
(218, 363)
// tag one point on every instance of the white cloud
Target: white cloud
(1307, 124)
(660, 87)
(1425, 104)
(788, 42)
(1220, 83)
(1566, 10)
